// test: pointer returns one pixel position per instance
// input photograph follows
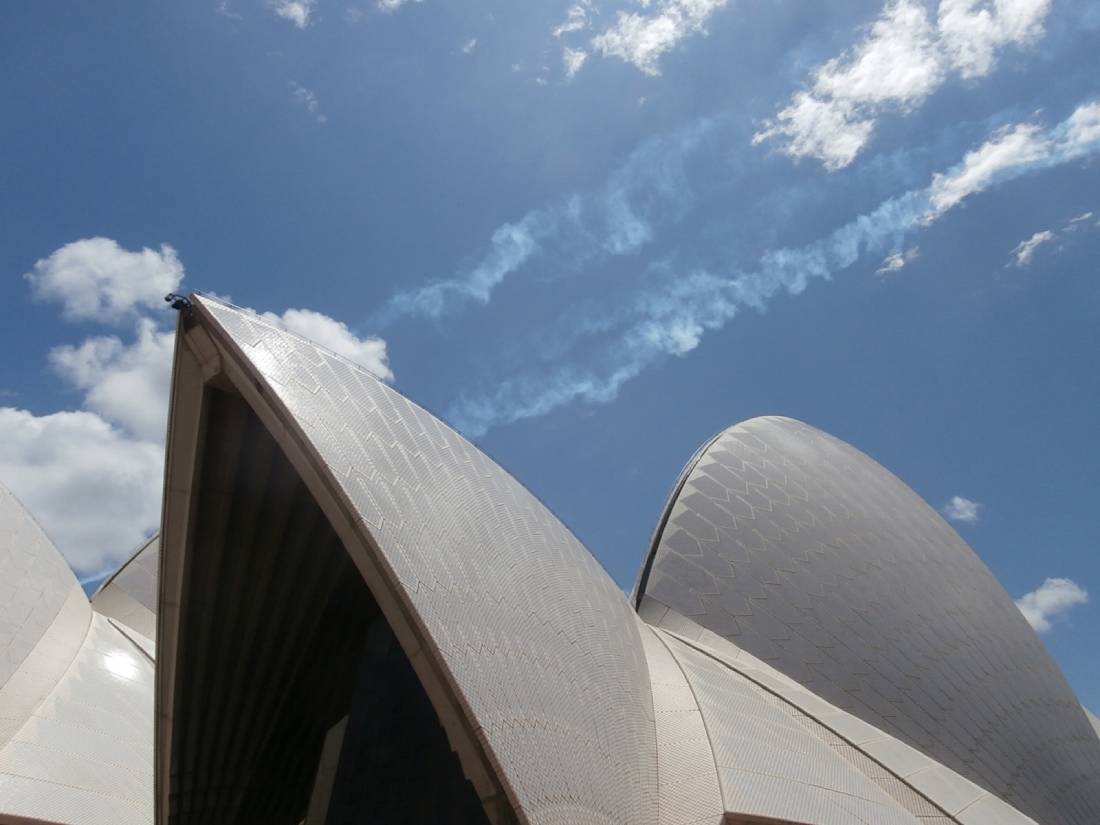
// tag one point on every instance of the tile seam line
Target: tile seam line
(828, 727)
(133, 557)
(53, 688)
(702, 718)
(666, 513)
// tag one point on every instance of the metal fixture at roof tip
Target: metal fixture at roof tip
(180, 303)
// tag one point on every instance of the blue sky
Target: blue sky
(590, 235)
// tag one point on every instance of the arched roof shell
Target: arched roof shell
(536, 643)
(806, 553)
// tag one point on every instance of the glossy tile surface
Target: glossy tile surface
(130, 595)
(543, 647)
(76, 696)
(810, 556)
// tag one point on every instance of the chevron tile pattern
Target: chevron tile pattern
(544, 648)
(813, 558)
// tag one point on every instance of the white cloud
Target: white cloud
(897, 62)
(642, 39)
(573, 60)
(1011, 148)
(962, 509)
(369, 353)
(126, 384)
(298, 12)
(1025, 250)
(95, 489)
(308, 99)
(394, 5)
(901, 61)
(95, 279)
(576, 19)
(93, 476)
(1083, 129)
(898, 260)
(825, 129)
(1052, 600)
(973, 30)
(468, 46)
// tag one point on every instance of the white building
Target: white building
(359, 617)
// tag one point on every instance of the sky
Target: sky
(589, 235)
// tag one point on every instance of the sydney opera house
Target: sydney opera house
(351, 615)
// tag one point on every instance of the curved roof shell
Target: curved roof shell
(43, 614)
(129, 596)
(534, 652)
(1093, 720)
(76, 695)
(808, 555)
(729, 748)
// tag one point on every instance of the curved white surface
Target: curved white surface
(130, 595)
(537, 642)
(76, 696)
(801, 550)
(85, 755)
(43, 615)
(769, 765)
(930, 791)
(688, 792)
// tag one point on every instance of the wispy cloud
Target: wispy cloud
(394, 5)
(648, 190)
(904, 58)
(576, 19)
(1052, 600)
(1075, 223)
(307, 99)
(225, 11)
(573, 59)
(671, 317)
(642, 38)
(297, 12)
(1025, 251)
(898, 260)
(962, 509)
(468, 46)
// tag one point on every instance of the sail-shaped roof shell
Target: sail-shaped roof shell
(533, 641)
(807, 554)
(76, 694)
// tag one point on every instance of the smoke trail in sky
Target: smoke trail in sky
(649, 190)
(672, 318)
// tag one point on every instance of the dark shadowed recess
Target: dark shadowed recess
(294, 703)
